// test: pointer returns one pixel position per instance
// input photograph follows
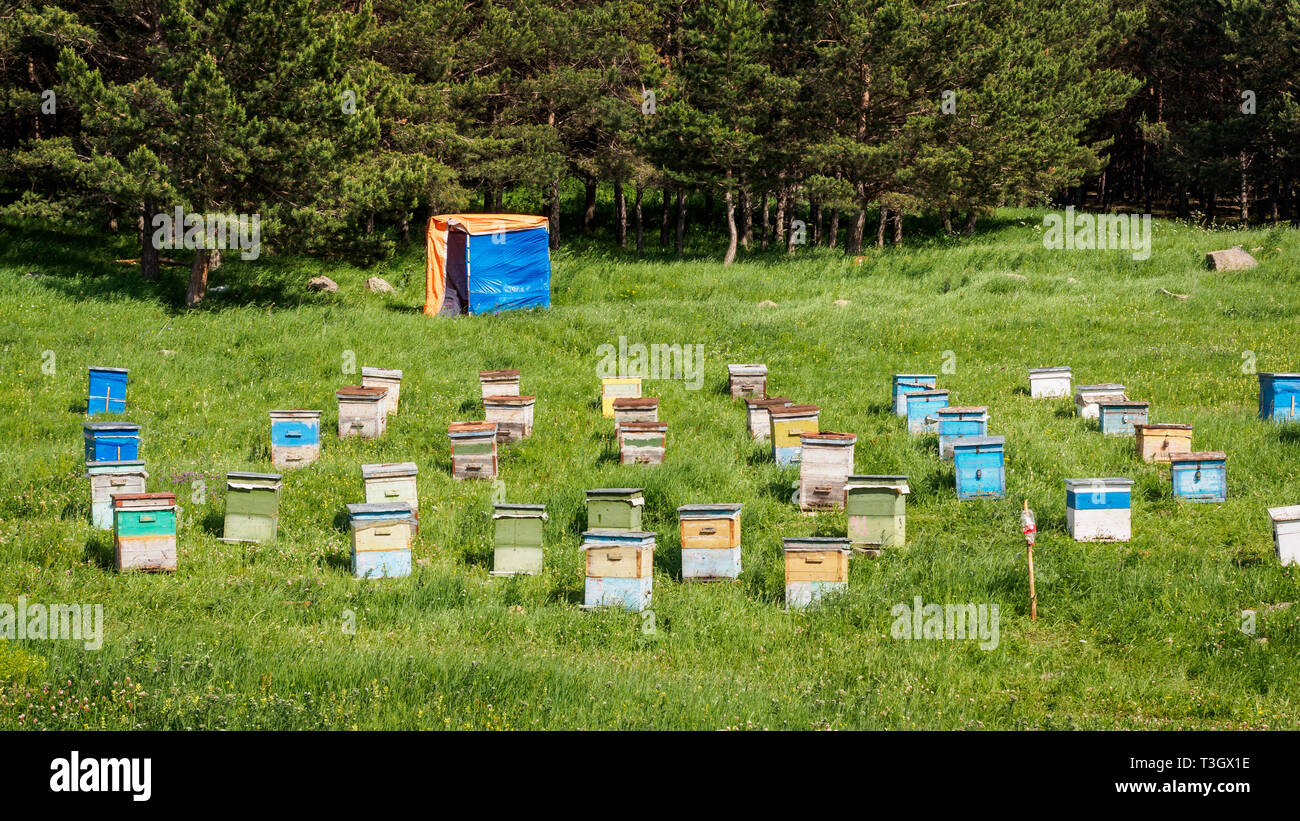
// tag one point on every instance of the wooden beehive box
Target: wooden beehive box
(1099, 510)
(381, 539)
(513, 415)
(295, 437)
(815, 567)
(499, 383)
(614, 508)
(760, 422)
(1279, 396)
(877, 511)
(979, 467)
(826, 460)
(922, 407)
(905, 383)
(1199, 477)
(616, 387)
(107, 391)
(788, 423)
(144, 531)
(391, 482)
(642, 443)
(252, 507)
(384, 378)
(1286, 533)
(473, 450)
(111, 441)
(636, 409)
(1157, 442)
(1086, 398)
(748, 381)
(110, 477)
(1117, 417)
(958, 421)
(620, 568)
(1048, 383)
(362, 411)
(710, 541)
(517, 539)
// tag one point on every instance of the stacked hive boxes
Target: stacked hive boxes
(710, 541)
(144, 531)
(815, 567)
(295, 437)
(108, 478)
(826, 460)
(473, 450)
(362, 411)
(619, 568)
(1099, 509)
(381, 539)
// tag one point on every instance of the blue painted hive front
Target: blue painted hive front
(955, 423)
(1279, 396)
(1199, 477)
(922, 409)
(979, 468)
(905, 383)
(107, 393)
(111, 441)
(1117, 417)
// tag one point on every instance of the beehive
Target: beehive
(1279, 396)
(110, 477)
(710, 541)
(252, 507)
(614, 387)
(1117, 418)
(815, 567)
(391, 482)
(1286, 533)
(642, 443)
(362, 411)
(620, 568)
(473, 450)
(499, 383)
(144, 531)
(636, 409)
(748, 381)
(877, 511)
(1157, 442)
(107, 391)
(111, 441)
(978, 467)
(1099, 510)
(1199, 477)
(1047, 383)
(384, 378)
(825, 463)
(381, 539)
(788, 423)
(922, 408)
(614, 508)
(958, 421)
(905, 383)
(517, 539)
(760, 422)
(513, 415)
(295, 437)
(1086, 398)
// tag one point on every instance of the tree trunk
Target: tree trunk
(767, 213)
(589, 209)
(664, 216)
(620, 214)
(880, 231)
(853, 243)
(746, 220)
(793, 236)
(148, 252)
(198, 277)
(1245, 192)
(553, 215)
(404, 230)
(681, 219)
(971, 216)
(946, 213)
(732, 239)
(833, 233)
(815, 212)
(640, 234)
(778, 233)
(898, 227)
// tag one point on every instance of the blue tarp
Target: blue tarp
(508, 270)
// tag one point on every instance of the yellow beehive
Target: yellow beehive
(1158, 442)
(615, 387)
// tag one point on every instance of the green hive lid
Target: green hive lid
(707, 511)
(388, 469)
(811, 543)
(519, 511)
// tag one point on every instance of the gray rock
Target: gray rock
(1233, 259)
(378, 286)
(322, 284)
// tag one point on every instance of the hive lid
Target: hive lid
(632, 402)
(815, 543)
(109, 426)
(753, 369)
(1102, 484)
(1107, 402)
(977, 441)
(509, 400)
(1048, 371)
(701, 511)
(506, 375)
(387, 469)
(898, 377)
(382, 373)
(861, 481)
(253, 477)
(1290, 513)
(115, 463)
(620, 380)
(794, 410)
(1162, 426)
(962, 409)
(363, 392)
(402, 509)
(632, 494)
(295, 414)
(1107, 387)
(519, 511)
(471, 428)
(829, 437)
(926, 394)
(608, 538)
(648, 427)
(1271, 375)
(763, 403)
(144, 501)
(1200, 456)
(98, 369)
(1104, 398)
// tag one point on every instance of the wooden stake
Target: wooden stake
(1030, 529)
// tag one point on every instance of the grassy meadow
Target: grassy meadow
(1141, 635)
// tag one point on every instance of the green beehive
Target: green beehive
(877, 508)
(614, 508)
(252, 507)
(517, 533)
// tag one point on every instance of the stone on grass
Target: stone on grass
(1233, 259)
(767, 303)
(322, 284)
(378, 286)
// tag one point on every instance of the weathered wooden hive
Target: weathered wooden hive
(620, 568)
(107, 391)
(110, 477)
(252, 507)
(513, 415)
(979, 468)
(144, 531)
(614, 508)
(362, 411)
(1286, 533)
(1047, 383)
(381, 539)
(616, 387)
(956, 422)
(1086, 398)
(748, 381)
(517, 539)
(1199, 477)
(636, 409)
(392, 482)
(815, 567)
(473, 450)
(788, 423)
(826, 460)
(642, 443)
(1279, 396)
(499, 383)
(710, 541)
(295, 437)
(1099, 510)
(1117, 417)
(877, 511)
(111, 441)
(905, 383)
(1158, 441)
(384, 378)
(922, 409)
(760, 422)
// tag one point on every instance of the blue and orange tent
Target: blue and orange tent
(484, 263)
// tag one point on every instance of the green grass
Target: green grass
(1136, 635)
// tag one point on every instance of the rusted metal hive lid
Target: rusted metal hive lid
(928, 393)
(648, 427)
(794, 410)
(751, 369)
(634, 402)
(362, 392)
(805, 544)
(382, 373)
(471, 428)
(144, 501)
(507, 375)
(389, 469)
(1161, 426)
(617, 538)
(829, 437)
(295, 414)
(708, 511)
(1201, 456)
(763, 403)
(902, 376)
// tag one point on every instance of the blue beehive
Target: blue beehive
(1199, 477)
(111, 441)
(1099, 509)
(1116, 417)
(295, 437)
(921, 409)
(979, 467)
(1279, 396)
(620, 568)
(905, 383)
(107, 391)
(956, 422)
(381, 539)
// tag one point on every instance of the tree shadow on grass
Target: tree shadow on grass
(99, 550)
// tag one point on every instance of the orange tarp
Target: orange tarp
(435, 270)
